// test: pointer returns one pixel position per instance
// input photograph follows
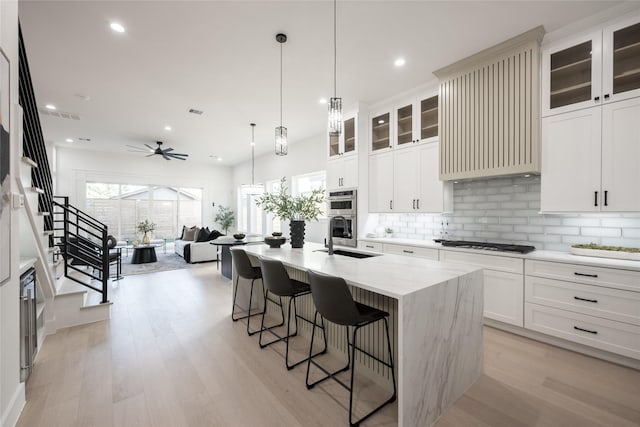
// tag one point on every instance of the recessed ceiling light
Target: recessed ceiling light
(527, 175)
(50, 107)
(380, 122)
(69, 140)
(399, 62)
(322, 101)
(118, 28)
(167, 127)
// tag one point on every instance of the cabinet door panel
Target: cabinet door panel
(571, 162)
(380, 132)
(381, 182)
(350, 135)
(335, 171)
(350, 172)
(504, 297)
(621, 60)
(572, 75)
(406, 180)
(621, 155)
(404, 125)
(427, 122)
(431, 196)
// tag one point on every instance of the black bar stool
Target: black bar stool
(245, 270)
(335, 303)
(276, 280)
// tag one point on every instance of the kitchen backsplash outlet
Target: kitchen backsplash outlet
(506, 210)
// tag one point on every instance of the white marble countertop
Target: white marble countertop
(395, 276)
(553, 256)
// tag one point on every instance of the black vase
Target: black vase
(296, 232)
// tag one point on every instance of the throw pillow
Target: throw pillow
(203, 235)
(214, 235)
(189, 234)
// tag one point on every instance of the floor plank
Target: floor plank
(170, 356)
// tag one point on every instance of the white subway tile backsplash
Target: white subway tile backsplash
(507, 210)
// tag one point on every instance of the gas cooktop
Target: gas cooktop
(500, 247)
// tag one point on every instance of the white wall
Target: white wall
(76, 167)
(304, 157)
(11, 390)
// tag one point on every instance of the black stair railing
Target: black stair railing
(33, 141)
(83, 245)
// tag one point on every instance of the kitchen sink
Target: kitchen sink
(349, 253)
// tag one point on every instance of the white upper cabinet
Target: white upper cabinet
(572, 75)
(342, 173)
(434, 195)
(416, 120)
(381, 182)
(621, 156)
(601, 67)
(380, 122)
(346, 143)
(590, 159)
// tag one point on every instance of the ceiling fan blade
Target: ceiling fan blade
(166, 150)
(136, 148)
(166, 157)
(178, 156)
(150, 147)
(149, 155)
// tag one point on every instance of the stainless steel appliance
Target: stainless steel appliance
(343, 203)
(28, 336)
(500, 247)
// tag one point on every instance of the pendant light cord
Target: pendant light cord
(280, 84)
(335, 49)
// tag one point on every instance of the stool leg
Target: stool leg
(353, 371)
(393, 369)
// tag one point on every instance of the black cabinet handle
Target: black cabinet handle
(391, 204)
(368, 246)
(585, 275)
(407, 251)
(585, 330)
(414, 203)
(606, 203)
(606, 96)
(597, 98)
(595, 200)
(417, 203)
(585, 299)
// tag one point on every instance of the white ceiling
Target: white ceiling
(222, 57)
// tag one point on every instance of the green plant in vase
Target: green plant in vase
(296, 209)
(146, 227)
(225, 218)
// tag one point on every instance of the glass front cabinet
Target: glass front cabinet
(597, 68)
(346, 142)
(416, 121)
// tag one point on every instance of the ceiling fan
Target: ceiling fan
(166, 153)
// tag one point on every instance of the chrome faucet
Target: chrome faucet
(331, 222)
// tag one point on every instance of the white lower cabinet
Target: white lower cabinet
(594, 306)
(616, 337)
(370, 246)
(414, 251)
(503, 284)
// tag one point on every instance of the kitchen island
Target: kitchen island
(436, 316)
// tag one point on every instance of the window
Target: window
(122, 206)
(305, 184)
(250, 216)
(272, 223)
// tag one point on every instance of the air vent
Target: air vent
(59, 114)
(194, 111)
(84, 139)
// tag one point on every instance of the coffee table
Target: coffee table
(143, 254)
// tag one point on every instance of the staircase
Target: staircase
(65, 301)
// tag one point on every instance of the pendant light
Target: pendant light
(253, 188)
(335, 103)
(281, 131)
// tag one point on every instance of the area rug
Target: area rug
(166, 262)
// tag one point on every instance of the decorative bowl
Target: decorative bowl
(239, 236)
(276, 234)
(274, 242)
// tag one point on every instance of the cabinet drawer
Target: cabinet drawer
(601, 276)
(503, 297)
(370, 246)
(616, 337)
(427, 253)
(491, 262)
(612, 304)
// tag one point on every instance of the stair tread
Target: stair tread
(44, 213)
(67, 286)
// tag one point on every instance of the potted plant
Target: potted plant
(146, 227)
(225, 218)
(388, 232)
(296, 209)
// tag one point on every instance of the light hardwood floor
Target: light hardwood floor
(170, 356)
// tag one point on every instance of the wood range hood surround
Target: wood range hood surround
(489, 108)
